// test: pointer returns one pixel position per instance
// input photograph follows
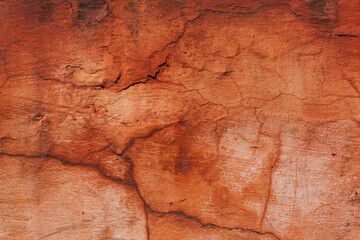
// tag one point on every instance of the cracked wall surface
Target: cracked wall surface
(180, 119)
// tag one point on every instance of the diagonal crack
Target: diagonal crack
(159, 68)
(353, 85)
(64, 162)
(96, 151)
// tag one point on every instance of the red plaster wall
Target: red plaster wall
(180, 119)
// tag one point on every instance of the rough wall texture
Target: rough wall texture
(180, 119)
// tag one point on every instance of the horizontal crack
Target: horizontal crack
(346, 35)
(95, 86)
(183, 215)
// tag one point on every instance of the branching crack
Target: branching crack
(133, 183)
(174, 42)
(147, 207)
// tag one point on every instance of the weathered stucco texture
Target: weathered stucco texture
(180, 119)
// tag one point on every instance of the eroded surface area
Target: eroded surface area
(179, 119)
